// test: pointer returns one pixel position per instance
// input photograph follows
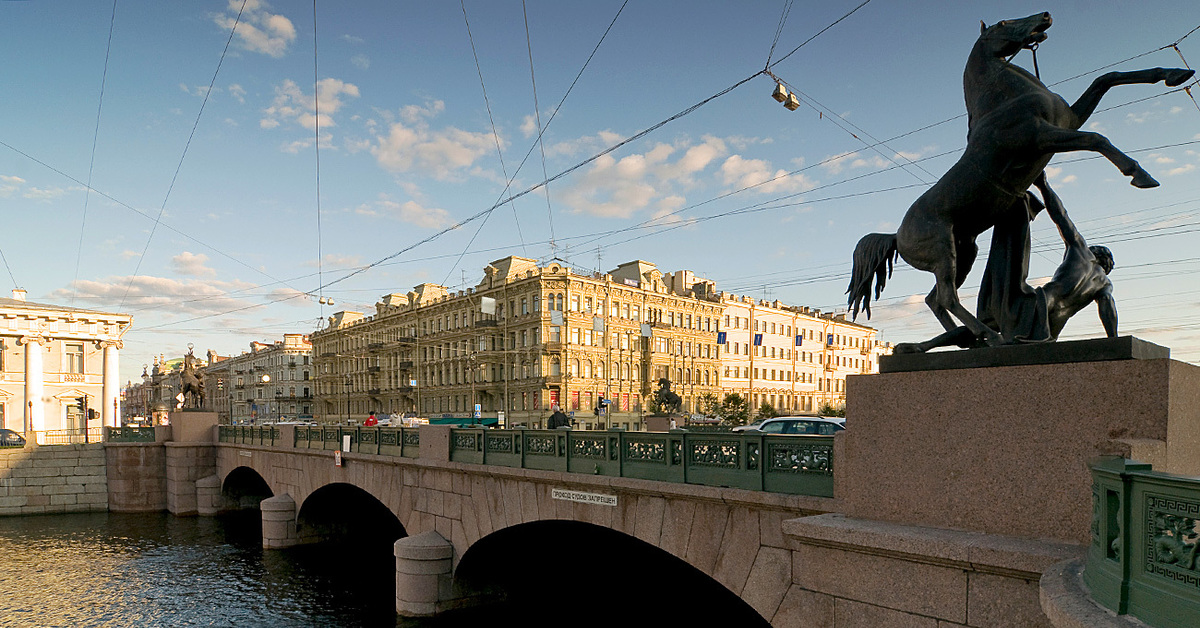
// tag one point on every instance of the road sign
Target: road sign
(478, 411)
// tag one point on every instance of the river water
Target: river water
(108, 569)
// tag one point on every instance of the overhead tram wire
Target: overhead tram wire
(605, 151)
(8, 268)
(317, 159)
(553, 114)
(787, 9)
(119, 202)
(818, 34)
(188, 144)
(499, 153)
(537, 114)
(92, 160)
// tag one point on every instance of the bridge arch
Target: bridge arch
(345, 513)
(547, 564)
(245, 488)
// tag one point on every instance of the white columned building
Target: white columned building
(59, 366)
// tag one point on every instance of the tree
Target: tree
(734, 410)
(709, 404)
(766, 411)
(828, 409)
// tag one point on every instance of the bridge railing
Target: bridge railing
(249, 434)
(129, 434)
(384, 441)
(1143, 558)
(799, 465)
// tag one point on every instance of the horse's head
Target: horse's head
(1007, 37)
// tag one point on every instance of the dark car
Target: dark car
(9, 438)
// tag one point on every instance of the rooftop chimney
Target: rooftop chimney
(18, 294)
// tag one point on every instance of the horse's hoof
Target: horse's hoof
(1178, 76)
(1143, 180)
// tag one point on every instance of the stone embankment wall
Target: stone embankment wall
(53, 479)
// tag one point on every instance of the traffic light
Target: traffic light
(82, 403)
(220, 384)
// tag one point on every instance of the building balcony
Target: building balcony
(327, 354)
(404, 389)
(374, 346)
(554, 379)
(374, 369)
(404, 364)
(487, 322)
(373, 391)
(554, 346)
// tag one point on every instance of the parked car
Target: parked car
(9, 438)
(815, 425)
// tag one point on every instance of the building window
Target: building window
(74, 358)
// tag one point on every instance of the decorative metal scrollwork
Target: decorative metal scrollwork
(540, 445)
(588, 448)
(389, 437)
(499, 444)
(368, 436)
(1172, 540)
(715, 453)
(466, 441)
(800, 458)
(645, 451)
(412, 437)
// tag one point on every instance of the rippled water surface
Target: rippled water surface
(107, 569)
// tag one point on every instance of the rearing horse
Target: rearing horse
(1015, 124)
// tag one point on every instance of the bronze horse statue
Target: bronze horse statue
(668, 402)
(1015, 125)
(191, 386)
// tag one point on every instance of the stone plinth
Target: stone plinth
(192, 426)
(1003, 450)
(424, 570)
(209, 500)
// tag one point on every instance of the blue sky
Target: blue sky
(407, 149)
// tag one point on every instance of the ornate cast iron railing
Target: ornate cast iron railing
(382, 441)
(793, 464)
(249, 434)
(1143, 558)
(129, 434)
(800, 465)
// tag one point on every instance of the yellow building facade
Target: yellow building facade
(526, 338)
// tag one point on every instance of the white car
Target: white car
(812, 425)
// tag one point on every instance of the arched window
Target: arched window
(555, 366)
(587, 368)
(706, 378)
(575, 367)
(599, 370)
(560, 302)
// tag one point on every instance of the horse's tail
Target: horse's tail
(874, 257)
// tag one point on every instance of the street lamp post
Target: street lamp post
(266, 379)
(278, 401)
(347, 389)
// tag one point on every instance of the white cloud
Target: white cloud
(744, 173)
(437, 152)
(1180, 170)
(409, 211)
(43, 194)
(169, 296)
(361, 61)
(291, 104)
(191, 265)
(257, 29)
(238, 92)
(529, 126)
(353, 40)
(337, 260)
(416, 114)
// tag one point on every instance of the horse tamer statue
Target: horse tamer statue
(1015, 125)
